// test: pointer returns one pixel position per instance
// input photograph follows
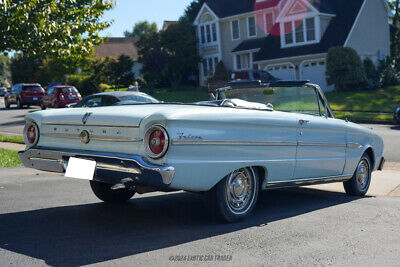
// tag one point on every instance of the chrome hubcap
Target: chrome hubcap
(240, 187)
(362, 175)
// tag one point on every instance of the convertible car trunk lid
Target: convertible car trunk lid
(116, 116)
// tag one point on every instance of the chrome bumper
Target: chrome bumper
(110, 168)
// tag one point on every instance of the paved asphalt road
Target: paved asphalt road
(48, 219)
(12, 121)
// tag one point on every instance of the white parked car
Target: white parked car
(249, 139)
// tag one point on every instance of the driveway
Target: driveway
(48, 219)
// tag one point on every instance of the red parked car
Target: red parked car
(59, 96)
(24, 94)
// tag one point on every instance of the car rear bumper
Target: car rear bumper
(110, 168)
(32, 101)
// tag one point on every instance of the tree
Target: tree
(67, 28)
(154, 62)
(395, 33)
(192, 10)
(345, 69)
(24, 68)
(142, 28)
(121, 72)
(153, 59)
(179, 42)
(36, 68)
(5, 75)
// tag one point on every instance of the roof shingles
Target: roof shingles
(335, 35)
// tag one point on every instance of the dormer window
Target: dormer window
(299, 32)
(207, 30)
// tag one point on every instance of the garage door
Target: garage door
(284, 71)
(315, 72)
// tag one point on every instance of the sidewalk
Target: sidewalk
(383, 183)
(12, 146)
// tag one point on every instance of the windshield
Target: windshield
(302, 99)
(66, 90)
(142, 98)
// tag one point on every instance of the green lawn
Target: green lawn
(12, 139)
(384, 100)
(363, 116)
(9, 158)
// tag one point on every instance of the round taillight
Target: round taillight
(31, 134)
(156, 142)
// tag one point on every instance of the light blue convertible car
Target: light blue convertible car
(251, 137)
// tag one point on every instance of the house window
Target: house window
(214, 32)
(208, 32)
(203, 35)
(251, 26)
(310, 26)
(269, 22)
(299, 31)
(238, 62)
(235, 30)
(288, 33)
(243, 61)
(209, 66)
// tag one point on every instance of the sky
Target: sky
(128, 12)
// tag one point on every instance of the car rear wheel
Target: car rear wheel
(358, 185)
(19, 103)
(42, 106)
(104, 192)
(235, 197)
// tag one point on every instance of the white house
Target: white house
(289, 38)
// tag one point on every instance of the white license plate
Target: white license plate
(80, 168)
(35, 98)
(72, 97)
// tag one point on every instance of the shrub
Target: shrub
(389, 73)
(221, 73)
(85, 83)
(103, 87)
(345, 69)
(371, 73)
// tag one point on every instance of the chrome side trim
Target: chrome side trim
(237, 143)
(92, 137)
(321, 144)
(91, 125)
(307, 181)
(257, 143)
